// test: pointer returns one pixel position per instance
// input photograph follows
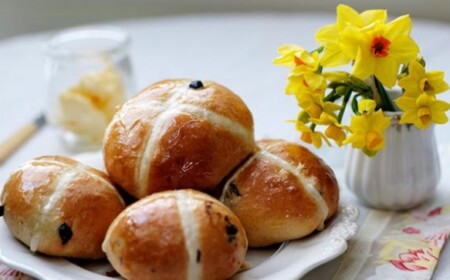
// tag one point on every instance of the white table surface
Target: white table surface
(235, 50)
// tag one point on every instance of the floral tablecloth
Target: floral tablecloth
(397, 245)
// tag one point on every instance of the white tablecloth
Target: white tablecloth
(235, 50)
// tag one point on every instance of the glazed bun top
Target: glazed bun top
(275, 159)
(177, 134)
(60, 207)
(180, 234)
(315, 175)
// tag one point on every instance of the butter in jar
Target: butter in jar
(89, 75)
(87, 108)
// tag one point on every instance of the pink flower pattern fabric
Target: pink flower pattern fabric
(409, 247)
(7, 273)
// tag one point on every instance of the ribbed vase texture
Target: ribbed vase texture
(402, 175)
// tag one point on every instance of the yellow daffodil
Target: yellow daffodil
(368, 129)
(298, 58)
(303, 116)
(307, 83)
(366, 106)
(309, 136)
(336, 76)
(314, 105)
(334, 131)
(380, 49)
(422, 111)
(418, 81)
(328, 36)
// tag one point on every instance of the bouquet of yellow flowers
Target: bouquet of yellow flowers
(382, 55)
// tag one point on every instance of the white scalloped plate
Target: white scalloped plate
(286, 261)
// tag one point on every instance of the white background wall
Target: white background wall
(27, 16)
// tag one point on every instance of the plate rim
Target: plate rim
(341, 229)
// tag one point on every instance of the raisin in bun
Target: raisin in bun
(282, 192)
(182, 234)
(60, 207)
(177, 134)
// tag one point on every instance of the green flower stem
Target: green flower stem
(313, 126)
(335, 97)
(319, 69)
(334, 85)
(319, 50)
(330, 96)
(347, 94)
(386, 102)
(355, 103)
(359, 84)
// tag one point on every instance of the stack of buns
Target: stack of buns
(167, 147)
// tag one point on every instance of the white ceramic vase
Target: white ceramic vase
(402, 175)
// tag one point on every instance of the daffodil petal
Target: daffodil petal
(327, 34)
(364, 64)
(436, 79)
(356, 140)
(378, 122)
(371, 16)
(386, 70)
(406, 103)
(366, 106)
(399, 26)
(294, 85)
(349, 40)
(333, 57)
(288, 48)
(416, 69)
(359, 124)
(439, 118)
(425, 100)
(440, 105)
(336, 76)
(347, 16)
(403, 49)
(408, 117)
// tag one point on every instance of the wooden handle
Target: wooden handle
(16, 140)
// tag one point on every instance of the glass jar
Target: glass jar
(88, 74)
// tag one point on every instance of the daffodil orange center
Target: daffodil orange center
(298, 61)
(314, 110)
(424, 115)
(306, 137)
(380, 46)
(335, 133)
(427, 87)
(373, 139)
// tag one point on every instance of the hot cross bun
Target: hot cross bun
(60, 207)
(282, 192)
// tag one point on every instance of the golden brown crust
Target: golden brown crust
(146, 241)
(149, 235)
(312, 166)
(194, 119)
(217, 98)
(48, 192)
(222, 254)
(23, 201)
(273, 203)
(125, 139)
(202, 154)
